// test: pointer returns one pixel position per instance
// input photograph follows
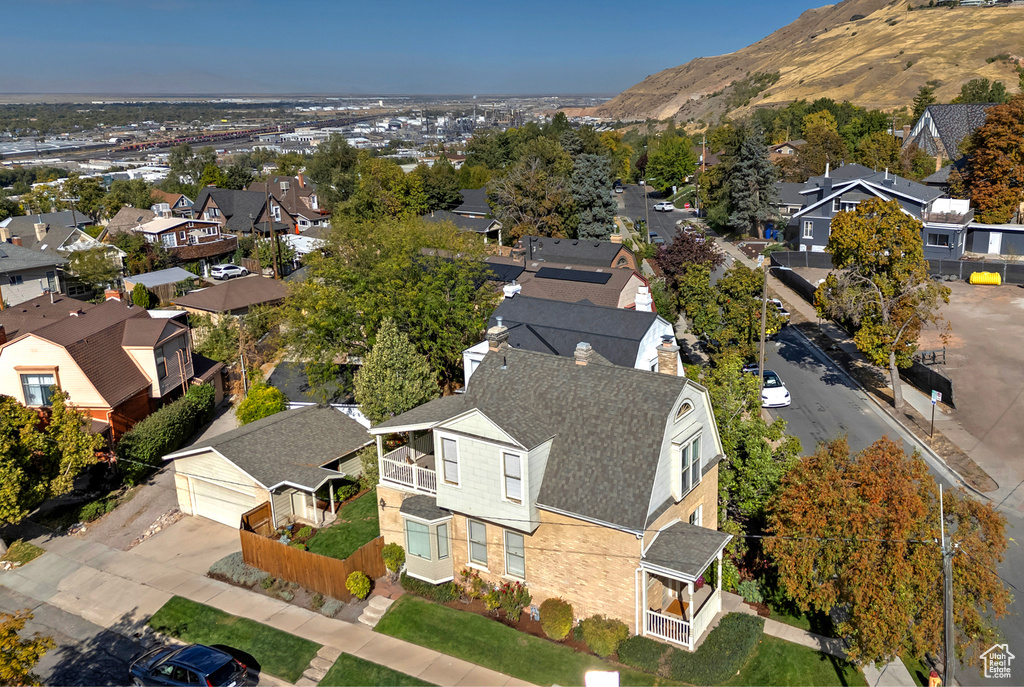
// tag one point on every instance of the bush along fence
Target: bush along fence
(315, 572)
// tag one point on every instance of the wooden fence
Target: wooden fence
(311, 570)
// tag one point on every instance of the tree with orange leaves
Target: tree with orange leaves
(861, 532)
(994, 176)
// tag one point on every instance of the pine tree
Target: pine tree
(925, 97)
(754, 194)
(590, 190)
(394, 377)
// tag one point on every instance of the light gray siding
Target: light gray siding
(351, 466)
(282, 503)
(436, 569)
(478, 426)
(694, 422)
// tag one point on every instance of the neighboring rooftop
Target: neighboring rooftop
(171, 275)
(15, 258)
(479, 225)
(237, 207)
(575, 284)
(39, 312)
(127, 218)
(293, 381)
(570, 251)
(953, 123)
(235, 294)
(474, 202)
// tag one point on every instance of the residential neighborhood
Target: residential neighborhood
(598, 375)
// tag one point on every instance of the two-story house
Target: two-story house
(189, 240)
(583, 480)
(56, 232)
(179, 204)
(299, 197)
(115, 361)
(243, 212)
(26, 273)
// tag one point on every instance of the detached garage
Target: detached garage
(286, 459)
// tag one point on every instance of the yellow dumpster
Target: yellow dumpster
(990, 278)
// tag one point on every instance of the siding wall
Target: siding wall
(435, 569)
(30, 287)
(694, 422)
(211, 467)
(33, 352)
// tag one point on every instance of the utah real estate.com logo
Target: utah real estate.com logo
(997, 661)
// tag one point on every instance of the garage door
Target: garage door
(220, 503)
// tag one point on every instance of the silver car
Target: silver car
(227, 271)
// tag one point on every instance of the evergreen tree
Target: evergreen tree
(590, 189)
(140, 295)
(925, 97)
(754, 194)
(394, 377)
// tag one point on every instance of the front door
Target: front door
(995, 242)
(299, 506)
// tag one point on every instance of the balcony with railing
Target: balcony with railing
(412, 466)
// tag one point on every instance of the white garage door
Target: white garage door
(220, 503)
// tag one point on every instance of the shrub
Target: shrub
(370, 468)
(262, 401)
(233, 569)
(556, 618)
(441, 593)
(286, 595)
(140, 296)
(749, 590)
(642, 653)
(298, 545)
(358, 584)
(96, 509)
(603, 635)
(492, 599)
(143, 447)
(304, 532)
(347, 491)
(394, 557)
(725, 650)
(513, 597)
(730, 576)
(317, 602)
(331, 607)
(267, 582)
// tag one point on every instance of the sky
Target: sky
(367, 46)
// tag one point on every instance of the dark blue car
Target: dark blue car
(195, 665)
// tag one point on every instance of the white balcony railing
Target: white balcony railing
(706, 614)
(395, 468)
(667, 627)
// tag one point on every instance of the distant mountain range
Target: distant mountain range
(874, 53)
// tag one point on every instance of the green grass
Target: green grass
(352, 671)
(357, 525)
(22, 552)
(818, 623)
(778, 662)
(493, 645)
(918, 670)
(278, 653)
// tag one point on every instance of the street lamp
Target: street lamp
(764, 316)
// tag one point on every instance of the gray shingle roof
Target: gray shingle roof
(686, 548)
(429, 413)
(789, 192)
(480, 225)
(570, 251)
(290, 446)
(236, 206)
(424, 508)
(547, 326)
(171, 275)
(17, 258)
(474, 201)
(954, 123)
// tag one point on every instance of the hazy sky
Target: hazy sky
(367, 46)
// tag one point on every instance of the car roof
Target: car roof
(201, 658)
(773, 373)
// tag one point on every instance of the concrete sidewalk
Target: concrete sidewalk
(120, 590)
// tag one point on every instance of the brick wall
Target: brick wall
(391, 527)
(704, 494)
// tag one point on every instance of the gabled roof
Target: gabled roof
(291, 199)
(128, 218)
(570, 251)
(789, 192)
(474, 202)
(290, 378)
(884, 185)
(234, 294)
(480, 225)
(148, 332)
(953, 123)
(289, 448)
(547, 326)
(595, 469)
(159, 196)
(39, 312)
(171, 275)
(237, 206)
(18, 258)
(62, 218)
(55, 236)
(575, 284)
(684, 548)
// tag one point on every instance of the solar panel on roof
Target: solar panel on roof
(574, 275)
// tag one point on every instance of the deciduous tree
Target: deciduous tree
(754, 194)
(94, 267)
(141, 255)
(881, 284)
(591, 190)
(333, 168)
(262, 401)
(689, 247)
(136, 193)
(879, 150)
(861, 531)
(824, 144)
(19, 654)
(384, 190)
(529, 200)
(739, 297)
(671, 162)
(394, 377)
(440, 184)
(994, 177)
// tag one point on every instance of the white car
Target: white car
(226, 271)
(664, 206)
(774, 393)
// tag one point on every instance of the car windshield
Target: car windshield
(771, 381)
(222, 675)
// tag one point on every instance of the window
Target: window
(182, 236)
(37, 389)
(168, 239)
(17, 279)
(417, 538)
(161, 363)
(51, 281)
(690, 464)
(513, 471)
(941, 240)
(442, 541)
(684, 408)
(696, 517)
(835, 205)
(808, 229)
(277, 212)
(515, 555)
(477, 542)
(450, 460)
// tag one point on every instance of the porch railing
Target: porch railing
(667, 627)
(706, 614)
(394, 468)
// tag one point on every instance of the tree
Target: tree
(394, 377)
(262, 401)
(332, 167)
(140, 296)
(8, 208)
(94, 267)
(824, 144)
(19, 655)
(881, 284)
(187, 167)
(549, 153)
(739, 297)
(384, 190)
(141, 256)
(440, 184)
(916, 163)
(88, 193)
(879, 150)
(41, 453)
(981, 91)
(862, 532)
(925, 97)
(688, 247)
(136, 193)
(671, 162)
(212, 176)
(529, 200)
(754, 193)
(289, 164)
(591, 190)
(237, 176)
(699, 301)
(994, 176)
(619, 153)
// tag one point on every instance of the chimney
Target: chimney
(826, 169)
(497, 337)
(16, 240)
(510, 290)
(668, 357)
(5, 234)
(938, 162)
(111, 295)
(615, 238)
(643, 299)
(906, 132)
(40, 228)
(76, 313)
(302, 180)
(3, 335)
(584, 353)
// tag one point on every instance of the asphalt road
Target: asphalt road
(664, 223)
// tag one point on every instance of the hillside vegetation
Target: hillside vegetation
(875, 53)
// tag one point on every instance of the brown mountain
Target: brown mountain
(874, 53)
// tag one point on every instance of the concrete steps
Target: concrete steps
(318, 667)
(372, 613)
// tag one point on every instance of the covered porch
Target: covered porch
(412, 466)
(291, 505)
(676, 603)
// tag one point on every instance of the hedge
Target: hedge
(441, 593)
(142, 448)
(642, 653)
(556, 618)
(725, 650)
(603, 635)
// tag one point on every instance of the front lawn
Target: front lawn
(356, 526)
(918, 670)
(818, 623)
(22, 552)
(778, 662)
(278, 653)
(352, 671)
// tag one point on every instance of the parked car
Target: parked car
(618, 189)
(749, 368)
(195, 664)
(774, 393)
(655, 239)
(227, 271)
(664, 206)
(781, 308)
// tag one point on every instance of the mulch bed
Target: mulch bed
(525, 624)
(761, 609)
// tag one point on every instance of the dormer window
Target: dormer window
(684, 408)
(689, 465)
(512, 465)
(450, 461)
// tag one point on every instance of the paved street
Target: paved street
(664, 223)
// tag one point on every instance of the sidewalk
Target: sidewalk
(120, 590)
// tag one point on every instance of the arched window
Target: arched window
(684, 408)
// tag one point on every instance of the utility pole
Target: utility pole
(74, 215)
(270, 230)
(947, 597)
(764, 316)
